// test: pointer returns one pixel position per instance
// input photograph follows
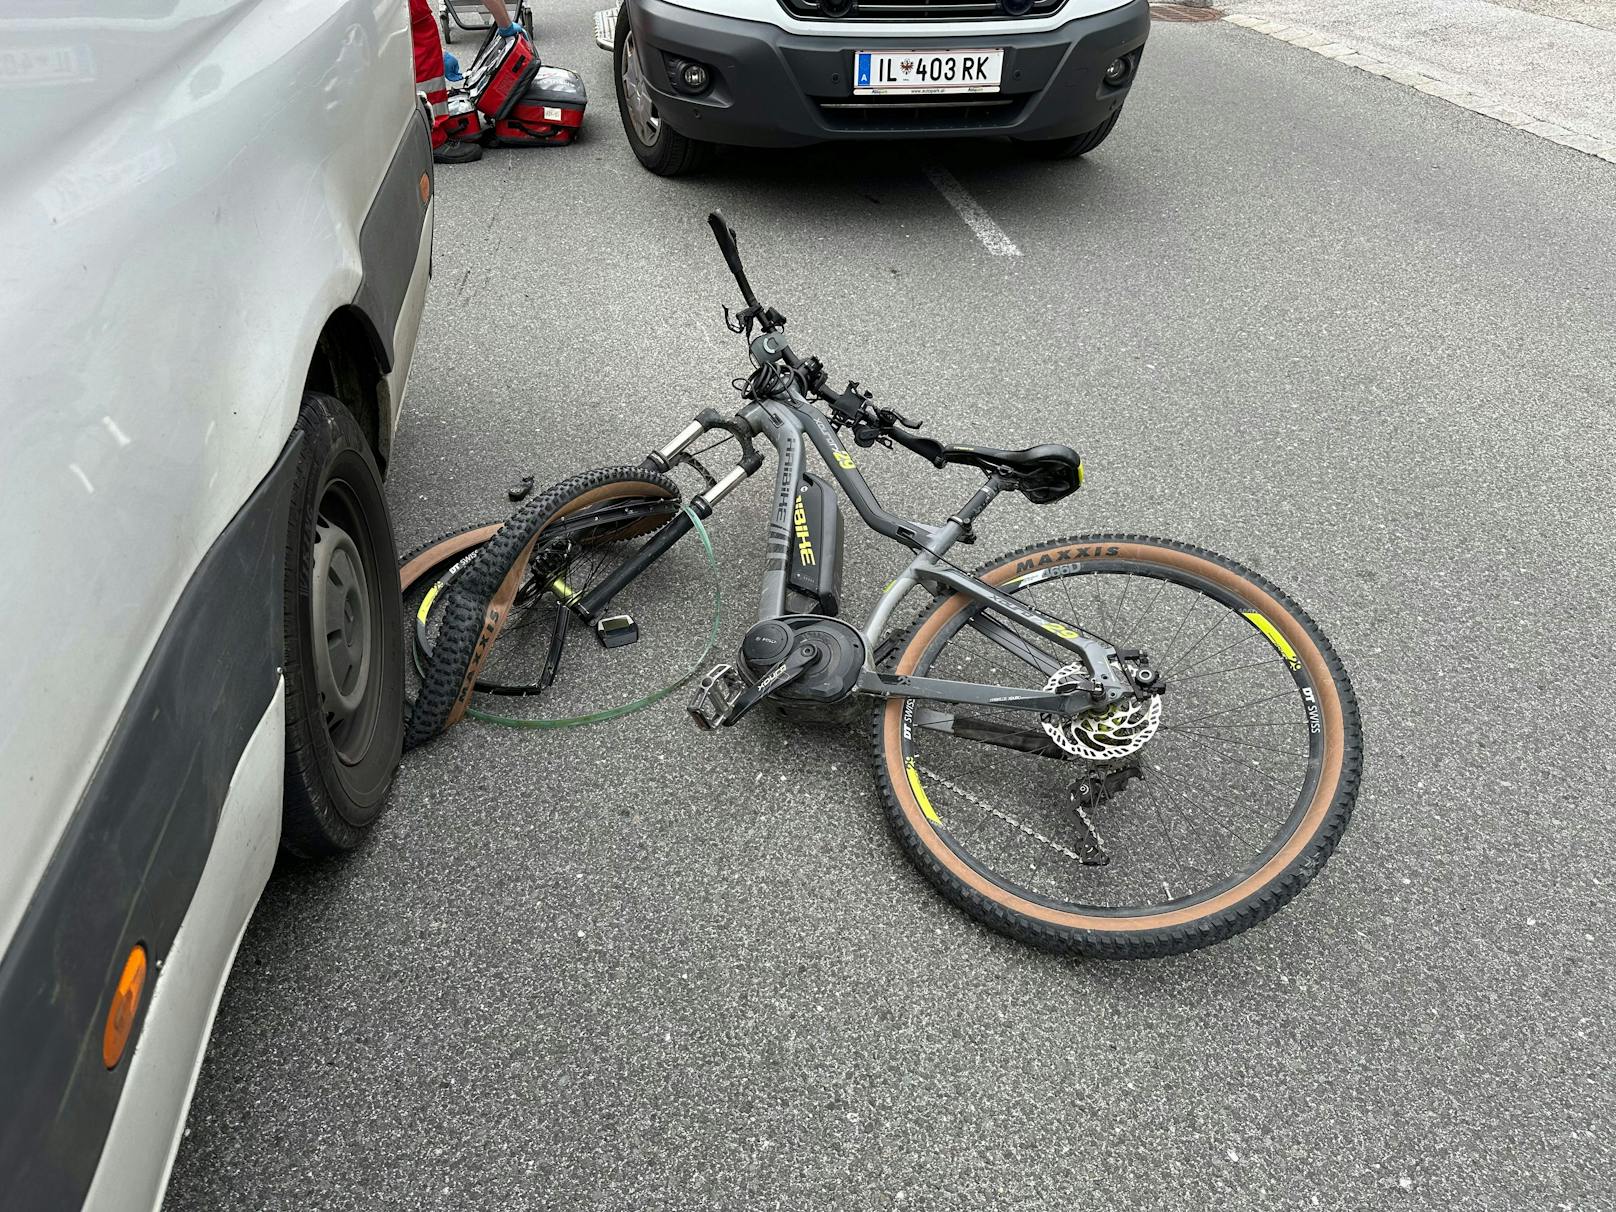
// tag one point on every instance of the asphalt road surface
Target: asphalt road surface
(1340, 330)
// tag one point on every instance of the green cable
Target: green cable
(639, 704)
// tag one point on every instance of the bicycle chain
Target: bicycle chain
(1024, 828)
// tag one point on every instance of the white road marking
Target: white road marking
(968, 208)
(1341, 52)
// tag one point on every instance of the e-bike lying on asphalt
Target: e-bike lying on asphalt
(1108, 744)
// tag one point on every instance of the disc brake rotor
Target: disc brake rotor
(1101, 736)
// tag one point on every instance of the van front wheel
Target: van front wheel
(656, 145)
(343, 664)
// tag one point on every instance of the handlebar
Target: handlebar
(725, 235)
(870, 424)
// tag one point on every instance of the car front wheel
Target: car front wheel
(657, 145)
(343, 666)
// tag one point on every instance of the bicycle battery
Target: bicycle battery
(814, 570)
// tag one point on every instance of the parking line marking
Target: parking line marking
(968, 208)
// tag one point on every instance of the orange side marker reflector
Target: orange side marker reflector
(125, 1004)
(426, 187)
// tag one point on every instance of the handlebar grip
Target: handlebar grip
(725, 235)
(929, 449)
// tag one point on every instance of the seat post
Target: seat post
(959, 524)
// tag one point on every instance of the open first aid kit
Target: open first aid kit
(514, 100)
(501, 73)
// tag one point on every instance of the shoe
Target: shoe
(458, 151)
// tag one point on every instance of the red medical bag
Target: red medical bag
(501, 73)
(462, 122)
(549, 112)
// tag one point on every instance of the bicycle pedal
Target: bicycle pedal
(616, 631)
(711, 704)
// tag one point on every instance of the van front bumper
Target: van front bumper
(770, 88)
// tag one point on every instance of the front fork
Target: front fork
(706, 421)
(590, 605)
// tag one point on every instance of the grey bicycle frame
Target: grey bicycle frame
(785, 420)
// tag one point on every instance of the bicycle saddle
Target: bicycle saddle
(1042, 474)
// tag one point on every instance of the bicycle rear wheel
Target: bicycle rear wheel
(1162, 825)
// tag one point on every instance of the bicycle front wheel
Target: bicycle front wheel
(1156, 827)
(513, 573)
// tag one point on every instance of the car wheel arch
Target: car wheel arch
(350, 363)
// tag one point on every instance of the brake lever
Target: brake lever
(865, 434)
(741, 322)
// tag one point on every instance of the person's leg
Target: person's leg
(429, 63)
(429, 79)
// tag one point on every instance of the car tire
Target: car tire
(656, 145)
(1073, 145)
(343, 664)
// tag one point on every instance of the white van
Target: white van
(215, 237)
(695, 74)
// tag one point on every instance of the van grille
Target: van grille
(919, 114)
(920, 10)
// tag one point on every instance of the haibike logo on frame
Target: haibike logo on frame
(805, 542)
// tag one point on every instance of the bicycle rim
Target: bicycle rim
(1235, 777)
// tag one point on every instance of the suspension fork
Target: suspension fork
(589, 606)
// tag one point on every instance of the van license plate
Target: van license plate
(926, 72)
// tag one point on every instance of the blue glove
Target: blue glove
(512, 30)
(451, 68)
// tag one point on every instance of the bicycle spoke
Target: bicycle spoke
(1179, 677)
(1138, 624)
(1179, 672)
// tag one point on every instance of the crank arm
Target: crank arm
(787, 671)
(975, 694)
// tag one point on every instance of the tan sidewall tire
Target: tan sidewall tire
(1179, 928)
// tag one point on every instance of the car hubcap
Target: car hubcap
(642, 113)
(341, 609)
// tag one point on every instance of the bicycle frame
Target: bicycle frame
(785, 420)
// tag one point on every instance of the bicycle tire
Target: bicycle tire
(1255, 897)
(453, 561)
(474, 611)
(643, 699)
(412, 568)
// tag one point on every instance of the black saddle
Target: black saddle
(1042, 474)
